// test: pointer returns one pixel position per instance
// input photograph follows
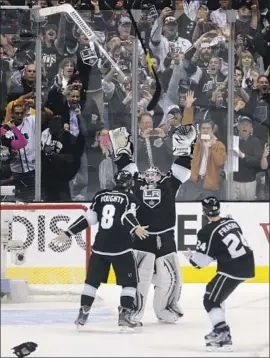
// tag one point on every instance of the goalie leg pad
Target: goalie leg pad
(168, 288)
(145, 263)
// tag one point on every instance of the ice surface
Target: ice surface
(51, 326)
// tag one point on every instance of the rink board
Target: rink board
(68, 267)
(62, 274)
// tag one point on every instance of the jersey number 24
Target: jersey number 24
(232, 242)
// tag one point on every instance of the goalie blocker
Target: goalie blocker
(115, 211)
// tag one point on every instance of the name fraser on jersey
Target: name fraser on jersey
(227, 228)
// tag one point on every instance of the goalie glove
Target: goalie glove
(182, 139)
(120, 142)
(59, 240)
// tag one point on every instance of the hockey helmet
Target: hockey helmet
(152, 175)
(123, 180)
(211, 206)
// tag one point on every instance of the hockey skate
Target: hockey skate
(83, 316)
(126, 321)
(219, 340)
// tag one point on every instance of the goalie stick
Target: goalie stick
(157, 93)
(67, 8)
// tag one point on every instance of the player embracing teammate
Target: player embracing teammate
(136, 231)
(157, 257)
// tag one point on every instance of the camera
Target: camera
(20, 257)
(17, 252)
(205, 136)
(153, 133)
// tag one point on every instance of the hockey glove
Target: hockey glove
(188, 254)
(60, 240)
(24, 349)
(120, 141)
(182, 139)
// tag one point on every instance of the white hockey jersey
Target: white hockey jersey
(25, 160)
(159, 44)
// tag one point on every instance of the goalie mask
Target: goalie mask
(152, 175)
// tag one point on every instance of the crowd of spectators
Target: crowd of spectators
(83, 97)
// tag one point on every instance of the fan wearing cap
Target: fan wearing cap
(51, 51)
(173, 116)
(124, 27)
(164, 31)
(249, 154)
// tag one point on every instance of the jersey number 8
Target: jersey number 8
(108, 213)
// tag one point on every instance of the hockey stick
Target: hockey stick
(152, 104)
(67, 8)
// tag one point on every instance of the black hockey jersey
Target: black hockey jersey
(157, 204)
(116, 215)
(223, 241)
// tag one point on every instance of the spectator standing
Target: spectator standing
(60, 157)
(249, 154)
(209, 156)
(24, 162)
(11, 140)
(154, 146)
(265, 166)
(258, 108)
(23, 82)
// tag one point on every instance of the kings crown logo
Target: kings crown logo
(151, 197)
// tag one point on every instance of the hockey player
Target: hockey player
(156, 256)
(222, 240)
(115, 211)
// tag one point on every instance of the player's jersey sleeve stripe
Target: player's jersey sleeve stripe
(129, 220)
(199, 259)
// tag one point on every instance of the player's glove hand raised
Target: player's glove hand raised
(182, 138)
(141, 232)
(60, 240)
(120, 141)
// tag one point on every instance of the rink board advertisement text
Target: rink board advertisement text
(43, 265)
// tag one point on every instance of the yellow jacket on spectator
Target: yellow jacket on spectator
(20, 101)
(216, 158)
